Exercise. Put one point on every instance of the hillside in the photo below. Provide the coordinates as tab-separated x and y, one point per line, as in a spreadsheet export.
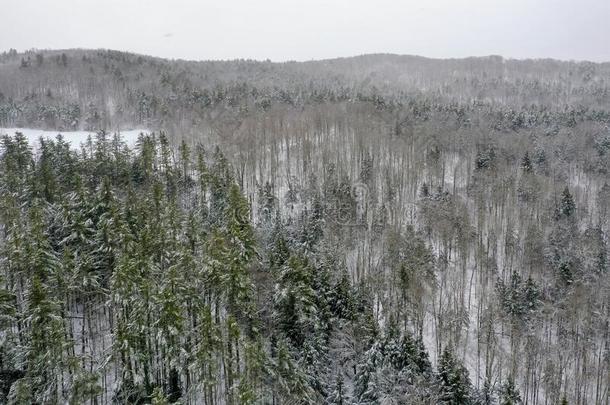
82	89
368	230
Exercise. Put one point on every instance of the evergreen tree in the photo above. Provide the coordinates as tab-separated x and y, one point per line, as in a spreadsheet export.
422	359
295	300
509	394
425	190
485	158
266	204
43	356
454	381
279	251
526	163
540	159
241	248
342	297
290	381
220	178
338	395
567	206
366	388
184	152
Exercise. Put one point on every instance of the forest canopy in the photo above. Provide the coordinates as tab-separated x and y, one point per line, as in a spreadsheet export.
368	230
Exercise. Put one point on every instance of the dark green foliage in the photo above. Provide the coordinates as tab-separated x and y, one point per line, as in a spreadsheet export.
519	299
178	273
454	380
295	300
267	204
338	395
342	298
509	394
567	207
366	388
485	159
539	159
86	241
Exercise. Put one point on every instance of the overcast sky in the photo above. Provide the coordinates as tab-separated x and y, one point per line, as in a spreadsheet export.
313	29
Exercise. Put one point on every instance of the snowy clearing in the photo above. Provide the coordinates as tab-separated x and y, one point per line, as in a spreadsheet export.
75	138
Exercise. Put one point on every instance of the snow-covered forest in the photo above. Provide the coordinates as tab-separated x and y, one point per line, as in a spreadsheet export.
372	230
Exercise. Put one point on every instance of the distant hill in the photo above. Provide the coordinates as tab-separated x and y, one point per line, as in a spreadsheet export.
92	89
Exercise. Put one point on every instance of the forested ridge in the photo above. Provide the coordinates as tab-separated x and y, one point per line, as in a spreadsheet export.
86	89
369	230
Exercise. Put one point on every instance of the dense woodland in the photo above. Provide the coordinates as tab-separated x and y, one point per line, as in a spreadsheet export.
372	230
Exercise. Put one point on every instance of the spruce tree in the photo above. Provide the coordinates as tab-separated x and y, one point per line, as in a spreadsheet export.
366	388
526	163
454	381
241	248
342	297
338	395
295	301
509	394
44	350
567	207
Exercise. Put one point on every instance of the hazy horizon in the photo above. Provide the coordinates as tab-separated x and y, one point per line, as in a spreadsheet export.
315	30
23	51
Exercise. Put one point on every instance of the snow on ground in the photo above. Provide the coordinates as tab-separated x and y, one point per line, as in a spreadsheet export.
76	138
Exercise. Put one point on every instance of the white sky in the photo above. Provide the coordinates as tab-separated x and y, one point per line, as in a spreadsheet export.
313	29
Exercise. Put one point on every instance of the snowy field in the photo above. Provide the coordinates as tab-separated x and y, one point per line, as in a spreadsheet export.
76	138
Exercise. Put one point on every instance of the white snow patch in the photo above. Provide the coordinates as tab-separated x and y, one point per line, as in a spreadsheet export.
75	138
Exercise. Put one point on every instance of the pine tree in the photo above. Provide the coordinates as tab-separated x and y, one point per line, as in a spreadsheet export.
46	179
220	178
21	392
567	207
338	395
422	360
291	384
85	386
391	345
267	204
311	230
531	296
279	251
526	163
424	191
256	368
144	164
170	322
159	398
184	152
342	297
486	396
241	248
209	341
509	394
540	159
295	301
44	351
485	158
453	377
366	389
107	238
16	164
